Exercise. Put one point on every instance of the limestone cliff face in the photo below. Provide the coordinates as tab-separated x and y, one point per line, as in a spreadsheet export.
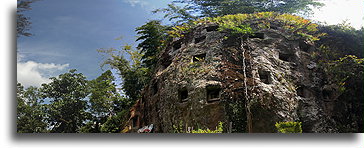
248	83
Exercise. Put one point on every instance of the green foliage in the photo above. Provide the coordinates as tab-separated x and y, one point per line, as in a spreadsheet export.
104	98
343	73
236	110
348	69
243	23
179	129
134	76
214	8
114	124
246	24
219	129
180	14
153	36
237	31
75	105
342	39
346	73
67	109
340	56
90	127
289	127
179	31
30	111
23	22
108	108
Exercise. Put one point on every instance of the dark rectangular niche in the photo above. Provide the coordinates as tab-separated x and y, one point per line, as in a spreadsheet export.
212	28
199	58
304	46
177	45
166	63
304	92
285	57
265	76
257	35
135	122
213	93
155	88
199	39
183	95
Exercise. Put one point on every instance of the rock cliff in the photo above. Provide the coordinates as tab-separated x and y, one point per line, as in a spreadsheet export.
249	83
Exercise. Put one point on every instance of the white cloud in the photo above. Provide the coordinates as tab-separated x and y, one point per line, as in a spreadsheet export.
148	5
337	11
133	3
31	73
52	66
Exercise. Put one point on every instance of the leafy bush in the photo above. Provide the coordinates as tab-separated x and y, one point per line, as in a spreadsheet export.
219	129
179	129
343	39
114	123
347	70
289	127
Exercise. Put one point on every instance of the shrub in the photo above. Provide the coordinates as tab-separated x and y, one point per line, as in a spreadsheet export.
289	127
219	129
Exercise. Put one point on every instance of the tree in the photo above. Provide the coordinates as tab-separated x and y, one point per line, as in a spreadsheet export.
343	39
23	22
193	9
103	95
135	65
181	14
106	103
153	36
67	108
115	124
134	76
346	74
213	8
30	111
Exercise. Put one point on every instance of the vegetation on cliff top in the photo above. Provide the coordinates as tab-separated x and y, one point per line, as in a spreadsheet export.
291	25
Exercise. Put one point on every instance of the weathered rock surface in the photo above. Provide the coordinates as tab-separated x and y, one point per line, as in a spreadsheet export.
249	83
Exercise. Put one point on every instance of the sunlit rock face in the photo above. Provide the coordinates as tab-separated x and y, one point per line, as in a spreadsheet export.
248	83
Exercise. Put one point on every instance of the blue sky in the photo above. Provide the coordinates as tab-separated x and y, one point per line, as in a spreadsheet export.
67	33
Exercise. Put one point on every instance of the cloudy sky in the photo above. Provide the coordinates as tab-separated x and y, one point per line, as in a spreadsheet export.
67	33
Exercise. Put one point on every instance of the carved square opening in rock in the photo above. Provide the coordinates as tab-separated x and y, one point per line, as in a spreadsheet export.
265	76
199	57
327	94
177	45
199	39
155	88
231	41
285	56
304	92
166	63
304	46
183	95
135	122
213	93
212	28
257	35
